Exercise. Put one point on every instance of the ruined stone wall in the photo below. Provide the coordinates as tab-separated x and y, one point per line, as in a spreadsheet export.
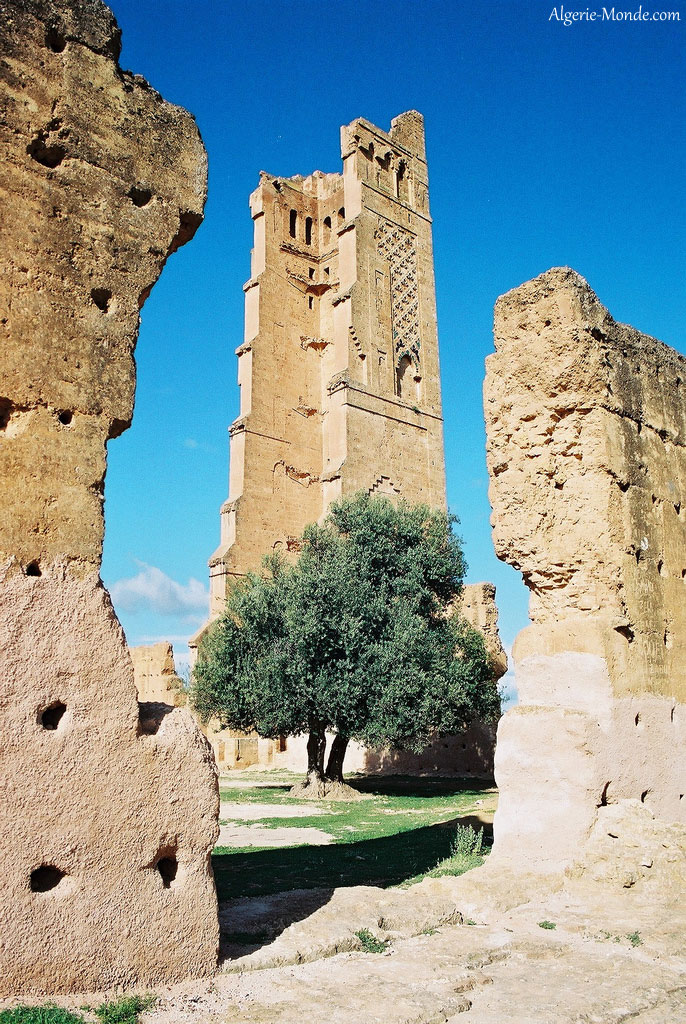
586	424
106	821
154	675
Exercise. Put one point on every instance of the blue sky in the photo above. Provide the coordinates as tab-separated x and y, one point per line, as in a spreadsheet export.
547	145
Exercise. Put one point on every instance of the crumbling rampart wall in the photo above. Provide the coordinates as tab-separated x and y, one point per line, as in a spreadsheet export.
154	674
586	425
107	821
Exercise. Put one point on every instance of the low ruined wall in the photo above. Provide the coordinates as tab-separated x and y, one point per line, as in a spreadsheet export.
586	426
107	820
154	675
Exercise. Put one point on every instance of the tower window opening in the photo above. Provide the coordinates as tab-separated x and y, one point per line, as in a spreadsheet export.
311	273
310	302
308	231
402	185
327	230
341	215
401	384
293	226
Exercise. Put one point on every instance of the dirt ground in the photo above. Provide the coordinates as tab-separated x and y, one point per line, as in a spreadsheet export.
602	943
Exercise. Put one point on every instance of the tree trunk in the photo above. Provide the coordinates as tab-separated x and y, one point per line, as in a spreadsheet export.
316	747
334	769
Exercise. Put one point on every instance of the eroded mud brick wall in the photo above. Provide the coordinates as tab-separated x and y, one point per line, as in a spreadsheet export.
586	424
106	825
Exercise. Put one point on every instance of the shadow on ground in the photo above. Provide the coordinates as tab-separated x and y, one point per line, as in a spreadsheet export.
413	785
381	862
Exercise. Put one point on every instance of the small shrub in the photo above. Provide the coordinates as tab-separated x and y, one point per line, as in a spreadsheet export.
467	842
548	925
370	943
635	938
469	921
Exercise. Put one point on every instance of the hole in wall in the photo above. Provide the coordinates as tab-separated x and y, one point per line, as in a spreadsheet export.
671	713
45	878
51	716
293	223
65	417
644	794
5	412
139	196
151	714
33	569
311	273
310	302
660	566
54	40
623	485
603	795
308	231
625	631
47	154
101	297
637	719
167	867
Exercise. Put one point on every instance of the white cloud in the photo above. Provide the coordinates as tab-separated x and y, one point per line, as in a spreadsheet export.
152	590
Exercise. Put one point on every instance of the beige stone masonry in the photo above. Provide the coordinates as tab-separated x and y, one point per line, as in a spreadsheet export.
154	674
586	425
338	370
107	820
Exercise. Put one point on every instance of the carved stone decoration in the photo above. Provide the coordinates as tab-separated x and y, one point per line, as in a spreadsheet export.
398	247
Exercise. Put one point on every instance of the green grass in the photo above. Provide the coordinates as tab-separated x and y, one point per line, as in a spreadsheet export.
39	1015
635	938
122	1011
466	852
404	831
548	925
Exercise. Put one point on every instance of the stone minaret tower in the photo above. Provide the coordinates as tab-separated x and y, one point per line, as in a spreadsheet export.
339	374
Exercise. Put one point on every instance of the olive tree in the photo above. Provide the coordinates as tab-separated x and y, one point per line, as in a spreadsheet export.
355	638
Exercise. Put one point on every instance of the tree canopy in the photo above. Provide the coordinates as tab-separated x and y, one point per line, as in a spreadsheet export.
355	638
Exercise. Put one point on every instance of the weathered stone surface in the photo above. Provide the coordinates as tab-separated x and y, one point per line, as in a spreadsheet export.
154	674
106	821
477	605
586	421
